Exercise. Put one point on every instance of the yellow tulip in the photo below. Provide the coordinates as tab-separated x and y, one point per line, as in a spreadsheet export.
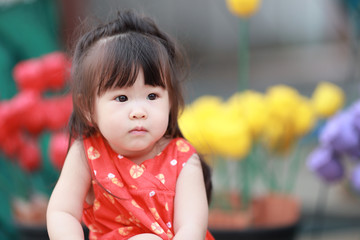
278	136
281	101
228	128
304	118
272	133
215	130
243	8
229	137
193	122
207	106
250	106
327	99
191	127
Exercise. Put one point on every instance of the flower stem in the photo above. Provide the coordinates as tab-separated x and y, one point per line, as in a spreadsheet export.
293	168
246	182
243	54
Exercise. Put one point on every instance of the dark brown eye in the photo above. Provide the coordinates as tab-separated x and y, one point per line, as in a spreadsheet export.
121	98
152	96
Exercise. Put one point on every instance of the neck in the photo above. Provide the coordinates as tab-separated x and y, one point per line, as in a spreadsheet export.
140	157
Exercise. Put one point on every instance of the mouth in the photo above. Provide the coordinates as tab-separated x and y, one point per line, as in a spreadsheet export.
138	130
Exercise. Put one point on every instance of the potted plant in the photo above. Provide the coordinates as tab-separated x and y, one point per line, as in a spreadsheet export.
33	143
254	143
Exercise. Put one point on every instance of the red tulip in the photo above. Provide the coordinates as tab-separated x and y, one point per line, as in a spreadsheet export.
46	73
22	103
34	118
58	149
6	126
29	75
30	156
13	113
58	111
12	145
56	70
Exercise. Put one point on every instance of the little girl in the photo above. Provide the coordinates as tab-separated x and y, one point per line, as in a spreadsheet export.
129	173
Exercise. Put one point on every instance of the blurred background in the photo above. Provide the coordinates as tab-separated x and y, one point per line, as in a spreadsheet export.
293	42
297	43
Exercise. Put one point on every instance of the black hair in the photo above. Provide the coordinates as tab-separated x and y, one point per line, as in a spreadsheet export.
110	55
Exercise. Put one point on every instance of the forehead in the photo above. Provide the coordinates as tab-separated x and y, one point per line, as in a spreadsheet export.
116	61
139	89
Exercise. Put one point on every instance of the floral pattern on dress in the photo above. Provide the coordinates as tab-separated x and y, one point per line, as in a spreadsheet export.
132	199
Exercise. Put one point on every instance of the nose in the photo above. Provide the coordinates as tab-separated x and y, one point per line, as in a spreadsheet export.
138	113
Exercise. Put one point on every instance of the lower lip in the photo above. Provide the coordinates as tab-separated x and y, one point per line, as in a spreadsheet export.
138	132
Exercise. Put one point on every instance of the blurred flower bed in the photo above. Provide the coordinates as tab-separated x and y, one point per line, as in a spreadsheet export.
253	140
337	155
33	143
255	144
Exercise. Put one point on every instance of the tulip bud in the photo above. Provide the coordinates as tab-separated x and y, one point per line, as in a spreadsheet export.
33	120
57	112
30	156
56	70
29	75
46	73
327	99
243	8
12	144
58	149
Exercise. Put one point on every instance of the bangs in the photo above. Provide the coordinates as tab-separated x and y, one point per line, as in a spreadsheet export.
117	63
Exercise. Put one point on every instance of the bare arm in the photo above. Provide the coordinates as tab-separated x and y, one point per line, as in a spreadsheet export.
66	203
191	207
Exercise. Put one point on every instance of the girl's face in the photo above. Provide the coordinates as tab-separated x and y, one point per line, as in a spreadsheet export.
132	119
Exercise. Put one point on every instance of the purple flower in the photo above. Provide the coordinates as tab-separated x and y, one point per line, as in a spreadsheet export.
355	111
354	153
355	178
340	134
325	163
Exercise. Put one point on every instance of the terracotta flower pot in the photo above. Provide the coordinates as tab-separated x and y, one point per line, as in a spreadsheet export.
274	216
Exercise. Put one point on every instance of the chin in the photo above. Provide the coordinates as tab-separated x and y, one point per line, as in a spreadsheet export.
139	147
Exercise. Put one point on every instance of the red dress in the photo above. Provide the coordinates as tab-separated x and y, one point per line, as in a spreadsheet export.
131	199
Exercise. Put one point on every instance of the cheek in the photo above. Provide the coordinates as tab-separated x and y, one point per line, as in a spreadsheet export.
163	114
100	116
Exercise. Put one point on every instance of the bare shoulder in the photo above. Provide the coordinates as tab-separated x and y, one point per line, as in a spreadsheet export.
77	151
76	162
194	161
192	170
77	148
